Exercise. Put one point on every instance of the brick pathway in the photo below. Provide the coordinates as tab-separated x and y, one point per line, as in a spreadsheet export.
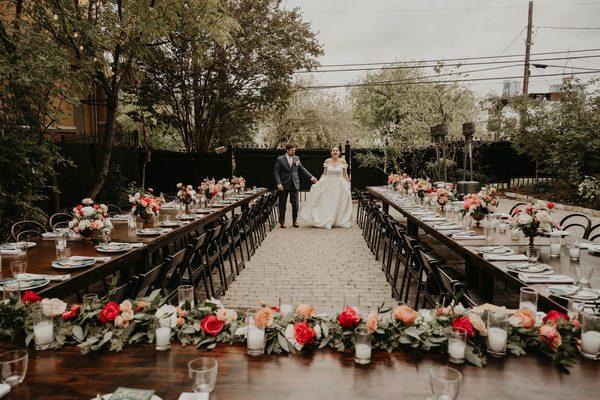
316	266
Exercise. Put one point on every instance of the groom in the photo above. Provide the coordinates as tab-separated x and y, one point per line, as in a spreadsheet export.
288	182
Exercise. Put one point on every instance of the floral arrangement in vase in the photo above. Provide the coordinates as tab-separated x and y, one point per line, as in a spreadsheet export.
186	194
478	205
422	186
535	220
442	196
89	218
393	181
209	188
239	183
145	205
406	183
225	185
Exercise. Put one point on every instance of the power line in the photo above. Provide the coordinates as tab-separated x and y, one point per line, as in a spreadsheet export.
570	27
391	83
445	65
409	10
456	59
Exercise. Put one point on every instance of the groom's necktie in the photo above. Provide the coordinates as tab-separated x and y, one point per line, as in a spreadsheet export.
290	161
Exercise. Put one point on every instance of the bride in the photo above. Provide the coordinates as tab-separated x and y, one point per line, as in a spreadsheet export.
329	202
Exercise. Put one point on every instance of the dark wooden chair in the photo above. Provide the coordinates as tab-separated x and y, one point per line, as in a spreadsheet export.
518	206
59	220
151	280
576	223
593	234
125	291
29	229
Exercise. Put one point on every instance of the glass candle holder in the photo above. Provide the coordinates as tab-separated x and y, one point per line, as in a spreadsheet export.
574	250
444	382
185	294
43	330
286	304
590	336
362	346
497	327
203	374
11	292
255	339
13	367
163	337
89	300
528	298
555	244
457	345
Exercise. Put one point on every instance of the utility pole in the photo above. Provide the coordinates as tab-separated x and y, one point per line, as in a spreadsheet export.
526	72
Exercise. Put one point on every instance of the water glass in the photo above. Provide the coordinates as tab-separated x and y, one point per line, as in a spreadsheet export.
166	218
61	240
515	234
444	382
555	244
90	300
497	327
590	336
43	330
574	250
457	345
528	298
466	221
131	222
21	248
63	254
203	374
584	273
255	339
575	309
11	292
362	346
286	304
13	366
533	254
185	294
106	236
502	227
18	267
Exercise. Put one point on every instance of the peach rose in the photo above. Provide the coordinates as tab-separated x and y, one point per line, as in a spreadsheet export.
182	313
180	321
523	318
264	318
441	311
126	306
371	322
478	323
305	310
550	335
121	322
226	315
405	314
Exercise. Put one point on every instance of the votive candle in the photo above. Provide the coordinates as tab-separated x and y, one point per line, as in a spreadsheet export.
43	333
497	338
163	338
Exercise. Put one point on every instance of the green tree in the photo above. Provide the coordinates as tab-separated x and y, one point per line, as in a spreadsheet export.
213	94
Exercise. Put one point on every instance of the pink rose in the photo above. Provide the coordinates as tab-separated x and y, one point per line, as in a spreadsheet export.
405	314
371	322
264	318
523	318
305	310
550	336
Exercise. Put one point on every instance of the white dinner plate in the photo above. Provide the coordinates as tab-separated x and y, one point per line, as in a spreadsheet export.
12	245
107	397
529	268
73	264
149	232
169	224
496	250
186	217
28	285
113	248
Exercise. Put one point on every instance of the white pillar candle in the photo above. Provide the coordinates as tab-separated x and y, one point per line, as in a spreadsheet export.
456	349
590	342
363	351
256	338
43	332
574	253
529	305
163	336
286	309
497	338
554	249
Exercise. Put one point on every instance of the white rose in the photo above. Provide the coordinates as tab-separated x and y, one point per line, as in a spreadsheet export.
179	185
72	223
88	211
459	309
87	201
543	216
53	307
524	219
137	195
83	224
291	337
425	315
167	315
241	331
317	330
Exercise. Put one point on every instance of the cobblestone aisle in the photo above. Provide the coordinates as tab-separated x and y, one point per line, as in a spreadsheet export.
316	266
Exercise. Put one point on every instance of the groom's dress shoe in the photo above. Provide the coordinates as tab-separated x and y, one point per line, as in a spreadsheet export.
282	225
296	225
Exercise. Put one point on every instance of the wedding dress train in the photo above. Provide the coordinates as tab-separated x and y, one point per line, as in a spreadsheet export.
329	202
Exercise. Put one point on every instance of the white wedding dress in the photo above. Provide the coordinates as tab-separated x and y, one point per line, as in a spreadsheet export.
329	202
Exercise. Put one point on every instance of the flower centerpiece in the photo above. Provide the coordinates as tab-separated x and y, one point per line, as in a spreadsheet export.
442	195
209	188
406	183
186	194
535	220
145	205
238	183
478	205
393	181
89	218
226	187
421	187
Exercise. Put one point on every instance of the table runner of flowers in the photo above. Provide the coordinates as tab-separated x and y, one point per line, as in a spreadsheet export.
113	326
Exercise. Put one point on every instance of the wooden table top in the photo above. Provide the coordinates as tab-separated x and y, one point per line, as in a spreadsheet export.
40	257
497	269
66	374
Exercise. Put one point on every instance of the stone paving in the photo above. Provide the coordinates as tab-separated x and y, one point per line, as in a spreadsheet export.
315	266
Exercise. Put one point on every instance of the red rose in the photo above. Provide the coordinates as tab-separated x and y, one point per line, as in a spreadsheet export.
212	325
72	313
349	318
555	316
30	297
109	312
463	322
550	205
304	333
275	308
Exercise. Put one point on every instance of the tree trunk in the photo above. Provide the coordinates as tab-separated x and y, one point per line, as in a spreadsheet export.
112	104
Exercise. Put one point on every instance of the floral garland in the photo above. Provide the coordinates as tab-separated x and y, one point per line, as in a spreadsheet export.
89	217
113	326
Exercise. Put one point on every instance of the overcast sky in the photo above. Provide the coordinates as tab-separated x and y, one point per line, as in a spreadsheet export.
361	31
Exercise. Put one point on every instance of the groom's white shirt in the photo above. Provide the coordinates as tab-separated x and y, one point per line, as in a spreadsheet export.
290	160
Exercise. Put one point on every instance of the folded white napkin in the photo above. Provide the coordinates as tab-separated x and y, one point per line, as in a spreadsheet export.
505	257
4	389
467	237
49	235
129	244
9	252
33	277
537	278
447	227
193	396
433	219
98	259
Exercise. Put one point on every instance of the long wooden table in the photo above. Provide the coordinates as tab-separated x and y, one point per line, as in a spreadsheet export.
481	272
40	257
66	374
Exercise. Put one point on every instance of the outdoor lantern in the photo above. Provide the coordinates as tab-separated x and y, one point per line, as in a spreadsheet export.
438	136
470	186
